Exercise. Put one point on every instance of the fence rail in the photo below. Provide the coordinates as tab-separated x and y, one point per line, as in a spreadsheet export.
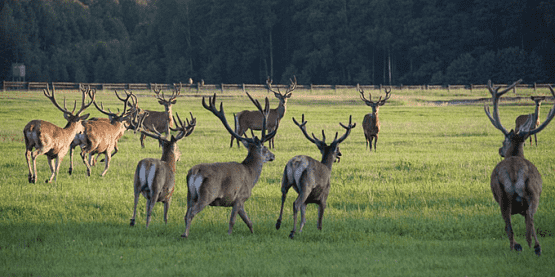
6	85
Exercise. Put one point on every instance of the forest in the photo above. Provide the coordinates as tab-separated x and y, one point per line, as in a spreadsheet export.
243	41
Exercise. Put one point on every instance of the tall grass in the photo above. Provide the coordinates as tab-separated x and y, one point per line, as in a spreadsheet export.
420	205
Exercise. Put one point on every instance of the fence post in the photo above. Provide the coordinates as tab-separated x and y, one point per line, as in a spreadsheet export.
534	87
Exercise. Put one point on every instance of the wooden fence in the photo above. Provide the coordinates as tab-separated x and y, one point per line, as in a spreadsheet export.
223	87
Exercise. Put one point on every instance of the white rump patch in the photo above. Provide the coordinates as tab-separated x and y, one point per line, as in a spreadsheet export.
194	185
295	168
146	175
151	175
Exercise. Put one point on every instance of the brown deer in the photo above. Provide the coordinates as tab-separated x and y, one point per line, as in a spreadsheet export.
161	120
515	182
311	178
50	139
228	184
521	119
371	123
101	136
246	119
155	179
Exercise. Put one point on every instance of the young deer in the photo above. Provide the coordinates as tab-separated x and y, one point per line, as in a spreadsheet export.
245	120
515	182
50	139
311	178
228	184
521	119
160	120
371	123
155	179
101	136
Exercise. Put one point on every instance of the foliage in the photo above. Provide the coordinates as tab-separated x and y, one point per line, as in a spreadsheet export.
321	42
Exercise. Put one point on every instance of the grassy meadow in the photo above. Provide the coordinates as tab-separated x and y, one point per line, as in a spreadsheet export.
421	205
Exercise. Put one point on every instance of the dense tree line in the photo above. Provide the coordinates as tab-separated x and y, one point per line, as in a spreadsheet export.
243	41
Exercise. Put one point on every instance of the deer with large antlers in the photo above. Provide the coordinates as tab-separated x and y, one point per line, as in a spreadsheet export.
228	184
521	119
515	182
246	119
371	123
161	121
311	178
155	179
50	139
101	135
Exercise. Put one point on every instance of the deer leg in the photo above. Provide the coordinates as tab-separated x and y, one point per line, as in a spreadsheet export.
137	193
375	142
366	140
28	157
52	169
531	231
505	204
142	140
166	209
285	186
234	211
71	148
245	218
321	209
192	210
298	205
149	206
107	159
535	139
87	163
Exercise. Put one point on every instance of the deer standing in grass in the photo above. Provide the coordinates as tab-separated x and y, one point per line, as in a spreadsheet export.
246	119
101	136
161	121
515	182
371	123
155	179
50	139
521	119
228	184
311	178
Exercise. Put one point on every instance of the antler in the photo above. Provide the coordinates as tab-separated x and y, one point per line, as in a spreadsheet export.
550	116
495	98
221	115
322	142
347	132
369	101
50	95
289	90
184	131
174	95
109	112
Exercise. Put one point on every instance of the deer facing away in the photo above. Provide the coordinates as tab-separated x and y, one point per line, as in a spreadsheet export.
161	121
521	119
228	184
246	119
311	178
371	123
50	139
155	178
516	182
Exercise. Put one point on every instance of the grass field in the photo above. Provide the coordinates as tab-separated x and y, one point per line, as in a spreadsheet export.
421	205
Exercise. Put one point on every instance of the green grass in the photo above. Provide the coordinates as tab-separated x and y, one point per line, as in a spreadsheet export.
421	205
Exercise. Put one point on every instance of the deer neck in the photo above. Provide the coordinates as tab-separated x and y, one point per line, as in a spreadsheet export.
254	162
169	113
169	154
328	157
281	109
513	147
73	127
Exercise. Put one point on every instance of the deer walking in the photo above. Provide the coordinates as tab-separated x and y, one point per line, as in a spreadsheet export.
161	121
228	184
521	119
50	139
371	123
246	119
516	182
311	178
101	136
155	178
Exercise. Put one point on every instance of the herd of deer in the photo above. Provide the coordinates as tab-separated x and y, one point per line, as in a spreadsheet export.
515	182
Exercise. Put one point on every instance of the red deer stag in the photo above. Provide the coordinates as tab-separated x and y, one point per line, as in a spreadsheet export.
50	139
311	178
228	184
515	182
521	119
371	123
160	120
155	179
253	119
101	136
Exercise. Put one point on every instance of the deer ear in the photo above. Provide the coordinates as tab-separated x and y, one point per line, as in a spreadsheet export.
84	117
173	102
245	143
161	102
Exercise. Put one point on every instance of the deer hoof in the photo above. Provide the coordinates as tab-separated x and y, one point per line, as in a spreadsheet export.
518	247
538	250
183	235
278	224
132	223
292	235
70	171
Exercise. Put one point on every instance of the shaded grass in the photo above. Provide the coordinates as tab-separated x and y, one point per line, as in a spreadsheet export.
420	205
